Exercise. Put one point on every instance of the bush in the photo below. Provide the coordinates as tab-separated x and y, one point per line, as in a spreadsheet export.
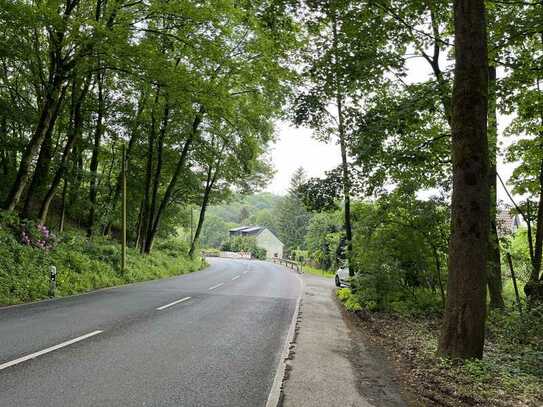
82	264
346	296
244	244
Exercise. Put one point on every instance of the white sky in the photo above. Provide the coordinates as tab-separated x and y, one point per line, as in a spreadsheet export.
295	147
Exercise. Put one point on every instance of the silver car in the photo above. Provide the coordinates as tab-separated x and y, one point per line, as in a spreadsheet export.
342	277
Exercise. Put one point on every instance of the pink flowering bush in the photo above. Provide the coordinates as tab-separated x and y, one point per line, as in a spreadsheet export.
37	235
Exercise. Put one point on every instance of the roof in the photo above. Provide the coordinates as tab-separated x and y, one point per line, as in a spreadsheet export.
247	230
252	230
239	228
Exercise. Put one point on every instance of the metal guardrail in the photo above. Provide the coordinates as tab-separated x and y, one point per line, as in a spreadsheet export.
294	265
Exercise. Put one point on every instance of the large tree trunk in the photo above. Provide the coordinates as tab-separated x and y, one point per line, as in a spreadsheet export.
494	268
93	189
177	172
346	183
463	330
158	174
210	182
46	121
41	172
145	214
74	131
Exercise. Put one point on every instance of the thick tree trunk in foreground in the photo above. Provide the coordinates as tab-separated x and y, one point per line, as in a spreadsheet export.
463	330
494	268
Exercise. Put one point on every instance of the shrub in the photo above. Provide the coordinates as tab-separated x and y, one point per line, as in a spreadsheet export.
82	264
349	300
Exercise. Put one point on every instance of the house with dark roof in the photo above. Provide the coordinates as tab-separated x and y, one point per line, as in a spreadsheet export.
507	223
265	239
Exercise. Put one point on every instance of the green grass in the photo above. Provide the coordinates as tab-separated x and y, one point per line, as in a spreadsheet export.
82	265
318	272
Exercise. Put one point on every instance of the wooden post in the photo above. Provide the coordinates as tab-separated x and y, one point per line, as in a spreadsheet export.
123	178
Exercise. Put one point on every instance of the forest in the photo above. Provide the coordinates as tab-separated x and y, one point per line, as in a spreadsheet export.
185	96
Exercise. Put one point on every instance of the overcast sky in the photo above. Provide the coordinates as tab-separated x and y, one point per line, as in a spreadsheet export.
295	147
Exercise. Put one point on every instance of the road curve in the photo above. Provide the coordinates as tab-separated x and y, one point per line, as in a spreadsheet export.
211	338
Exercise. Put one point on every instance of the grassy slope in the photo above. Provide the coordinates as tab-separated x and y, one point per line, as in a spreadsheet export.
82	266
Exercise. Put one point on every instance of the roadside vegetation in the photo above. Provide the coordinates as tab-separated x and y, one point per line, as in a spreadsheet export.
82	264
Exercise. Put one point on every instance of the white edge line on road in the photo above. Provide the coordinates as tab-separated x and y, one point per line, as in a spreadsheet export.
235	278
277	386
171	304
216	286
51	349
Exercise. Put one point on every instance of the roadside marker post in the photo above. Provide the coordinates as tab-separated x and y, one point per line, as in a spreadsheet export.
52	281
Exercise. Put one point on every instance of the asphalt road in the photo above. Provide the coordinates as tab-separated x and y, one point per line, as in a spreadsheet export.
128	346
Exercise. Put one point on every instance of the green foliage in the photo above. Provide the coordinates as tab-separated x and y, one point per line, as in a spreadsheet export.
82	265
245	244
349	300
400	251
292	219
323	239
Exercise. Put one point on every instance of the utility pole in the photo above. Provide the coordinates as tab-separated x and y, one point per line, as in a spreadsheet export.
123	178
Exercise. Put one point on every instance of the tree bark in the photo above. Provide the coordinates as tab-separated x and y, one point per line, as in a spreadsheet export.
158	173
534	287
463	329
177	172
74	132
494	272
145	214
205	200
346	182
45	122
99	130
41	172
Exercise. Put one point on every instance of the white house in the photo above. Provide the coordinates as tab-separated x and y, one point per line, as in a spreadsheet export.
265	239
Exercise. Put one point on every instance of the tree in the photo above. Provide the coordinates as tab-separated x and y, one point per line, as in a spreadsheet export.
291	216
463	329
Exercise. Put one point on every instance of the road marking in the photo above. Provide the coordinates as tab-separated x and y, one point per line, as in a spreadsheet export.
171	304
235	278
216	286
246	271
51	349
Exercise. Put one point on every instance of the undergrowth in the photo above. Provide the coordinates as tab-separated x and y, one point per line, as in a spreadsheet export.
82	264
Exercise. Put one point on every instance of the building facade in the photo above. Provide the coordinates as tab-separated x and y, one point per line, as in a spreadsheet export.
264	238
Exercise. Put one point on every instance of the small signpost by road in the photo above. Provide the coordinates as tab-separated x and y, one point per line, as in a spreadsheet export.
52	281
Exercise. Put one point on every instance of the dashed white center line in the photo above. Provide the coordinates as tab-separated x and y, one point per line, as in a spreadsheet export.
235	278
171	304
216	286
51	349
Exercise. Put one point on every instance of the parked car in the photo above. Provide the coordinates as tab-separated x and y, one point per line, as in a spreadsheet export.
342	277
